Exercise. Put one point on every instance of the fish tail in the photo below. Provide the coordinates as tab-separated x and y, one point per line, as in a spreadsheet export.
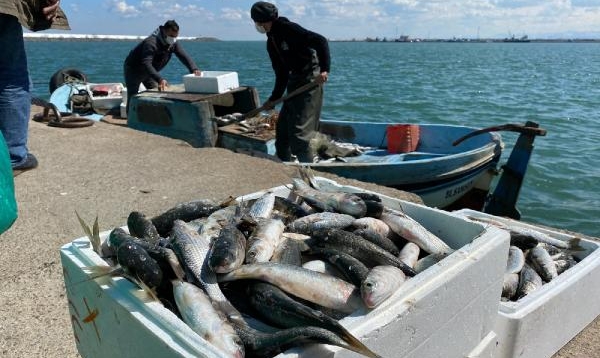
354	344
574	245
307	175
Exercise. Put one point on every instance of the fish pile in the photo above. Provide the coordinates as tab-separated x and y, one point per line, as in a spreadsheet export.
534	259
257	277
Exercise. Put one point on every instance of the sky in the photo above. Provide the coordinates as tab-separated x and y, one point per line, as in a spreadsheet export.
344	19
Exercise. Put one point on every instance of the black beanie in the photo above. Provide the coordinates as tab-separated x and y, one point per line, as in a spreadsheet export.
263	11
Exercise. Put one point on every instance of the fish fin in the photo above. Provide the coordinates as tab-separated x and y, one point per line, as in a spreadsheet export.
96	242
228	202
150	292
94	235
99	271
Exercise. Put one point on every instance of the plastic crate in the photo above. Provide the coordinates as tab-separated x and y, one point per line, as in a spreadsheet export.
211	82
538	325
446	311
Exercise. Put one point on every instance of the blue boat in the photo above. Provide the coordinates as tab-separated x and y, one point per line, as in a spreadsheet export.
444	173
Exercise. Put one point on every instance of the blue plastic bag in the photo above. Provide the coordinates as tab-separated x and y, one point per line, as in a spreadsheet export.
8	203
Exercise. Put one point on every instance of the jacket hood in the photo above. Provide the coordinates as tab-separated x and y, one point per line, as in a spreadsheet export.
159	34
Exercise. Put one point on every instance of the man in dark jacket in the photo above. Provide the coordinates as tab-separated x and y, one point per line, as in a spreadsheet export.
144	62
298	56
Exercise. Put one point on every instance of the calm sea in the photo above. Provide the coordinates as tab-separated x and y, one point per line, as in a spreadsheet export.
481	84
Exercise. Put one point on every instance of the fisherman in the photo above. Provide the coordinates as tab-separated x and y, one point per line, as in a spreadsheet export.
298	56
144	62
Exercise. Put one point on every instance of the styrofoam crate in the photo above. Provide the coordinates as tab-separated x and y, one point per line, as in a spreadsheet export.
112	99
486	348
541	323
445	311
211	82
106	102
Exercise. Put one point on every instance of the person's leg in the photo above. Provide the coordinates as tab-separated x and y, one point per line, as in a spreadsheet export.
132	83
282	135
306	110
15	98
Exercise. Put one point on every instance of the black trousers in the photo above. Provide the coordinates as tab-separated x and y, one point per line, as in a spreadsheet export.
133	78
299	120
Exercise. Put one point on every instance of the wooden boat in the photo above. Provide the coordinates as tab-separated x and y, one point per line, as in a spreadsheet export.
451	167
437	171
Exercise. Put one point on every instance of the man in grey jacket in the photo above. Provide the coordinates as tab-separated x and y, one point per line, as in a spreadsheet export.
15	96
144	62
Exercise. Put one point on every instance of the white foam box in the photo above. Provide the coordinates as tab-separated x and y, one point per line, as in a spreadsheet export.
211	82
448	310
541	323
113	99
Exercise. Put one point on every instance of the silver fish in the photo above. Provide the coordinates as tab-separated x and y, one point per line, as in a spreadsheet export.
263	206
198	312
325	220
410	254
378	240
215	221
352	269
412	231
315	287
322	266
426	262
288	252
510	285
278	308
376	225
192	249
264	240
381	283
340	202
228	250
529	281
516	260
542	262
564	264
363	250
524	234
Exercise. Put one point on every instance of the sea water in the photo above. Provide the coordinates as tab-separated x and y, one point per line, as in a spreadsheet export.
478	84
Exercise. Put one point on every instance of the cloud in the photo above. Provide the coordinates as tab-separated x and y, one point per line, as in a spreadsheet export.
234	14
123	9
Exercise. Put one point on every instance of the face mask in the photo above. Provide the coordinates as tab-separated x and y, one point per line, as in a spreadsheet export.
260	28
170	40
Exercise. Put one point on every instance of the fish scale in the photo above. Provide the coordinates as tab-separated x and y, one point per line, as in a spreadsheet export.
192	249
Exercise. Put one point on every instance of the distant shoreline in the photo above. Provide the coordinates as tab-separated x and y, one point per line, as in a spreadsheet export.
403	39
87	37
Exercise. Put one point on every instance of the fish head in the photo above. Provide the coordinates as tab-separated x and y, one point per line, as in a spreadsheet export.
371	293
223	263
352	205
380	284
258	253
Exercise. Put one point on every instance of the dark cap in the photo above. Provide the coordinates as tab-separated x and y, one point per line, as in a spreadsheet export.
263	11
171	24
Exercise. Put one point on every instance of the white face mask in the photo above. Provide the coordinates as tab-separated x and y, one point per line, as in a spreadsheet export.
260	29
170	40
